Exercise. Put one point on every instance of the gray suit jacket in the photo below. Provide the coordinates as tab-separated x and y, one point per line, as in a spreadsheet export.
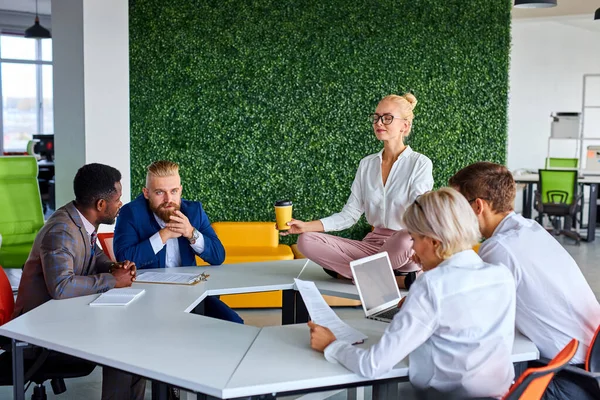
61	265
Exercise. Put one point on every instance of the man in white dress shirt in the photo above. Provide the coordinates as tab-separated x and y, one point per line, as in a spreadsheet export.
554	301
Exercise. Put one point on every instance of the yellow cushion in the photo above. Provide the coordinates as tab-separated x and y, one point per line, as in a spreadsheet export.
253	300
237	255
476	247
252	254
247	234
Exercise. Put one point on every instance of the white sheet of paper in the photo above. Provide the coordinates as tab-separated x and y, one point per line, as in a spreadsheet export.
322	314
167	277
117	297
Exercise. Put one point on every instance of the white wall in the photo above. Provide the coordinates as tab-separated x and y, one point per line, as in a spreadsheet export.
548	60
91	89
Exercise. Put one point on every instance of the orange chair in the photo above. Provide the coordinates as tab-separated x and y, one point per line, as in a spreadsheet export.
534	381
592	358
106	242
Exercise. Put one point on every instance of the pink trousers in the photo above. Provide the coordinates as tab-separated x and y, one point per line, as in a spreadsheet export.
335	253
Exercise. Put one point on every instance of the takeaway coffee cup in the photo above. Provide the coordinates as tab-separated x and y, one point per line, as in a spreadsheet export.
283	214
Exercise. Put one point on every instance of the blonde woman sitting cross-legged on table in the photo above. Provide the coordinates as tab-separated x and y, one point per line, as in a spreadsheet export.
385	184
457	322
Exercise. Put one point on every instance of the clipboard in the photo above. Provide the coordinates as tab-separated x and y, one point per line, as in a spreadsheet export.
171	278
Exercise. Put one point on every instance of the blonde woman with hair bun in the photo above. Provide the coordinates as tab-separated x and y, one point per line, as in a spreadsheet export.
385	184
457	323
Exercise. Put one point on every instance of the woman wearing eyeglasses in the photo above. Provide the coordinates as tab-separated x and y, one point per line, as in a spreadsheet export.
457	322
385	184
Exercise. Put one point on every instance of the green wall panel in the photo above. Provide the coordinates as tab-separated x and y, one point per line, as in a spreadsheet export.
264	100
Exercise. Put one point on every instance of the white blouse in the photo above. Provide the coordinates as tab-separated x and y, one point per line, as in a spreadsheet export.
383	205
457	327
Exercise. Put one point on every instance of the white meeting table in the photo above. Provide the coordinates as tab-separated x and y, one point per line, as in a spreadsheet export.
157	337
264	370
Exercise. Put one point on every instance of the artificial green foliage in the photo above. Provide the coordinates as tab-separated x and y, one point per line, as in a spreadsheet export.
260	100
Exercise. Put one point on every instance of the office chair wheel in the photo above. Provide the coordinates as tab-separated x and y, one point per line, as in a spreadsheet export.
39	393
58	386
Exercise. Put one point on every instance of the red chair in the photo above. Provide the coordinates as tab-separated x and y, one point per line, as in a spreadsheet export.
106	242
7	300
534	381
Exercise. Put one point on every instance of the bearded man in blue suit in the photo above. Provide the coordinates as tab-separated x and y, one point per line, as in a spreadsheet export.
161	230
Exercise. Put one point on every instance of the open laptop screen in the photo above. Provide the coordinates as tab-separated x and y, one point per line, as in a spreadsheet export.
375	282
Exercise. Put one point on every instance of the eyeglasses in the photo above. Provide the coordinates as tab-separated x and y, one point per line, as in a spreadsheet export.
386	119
475	198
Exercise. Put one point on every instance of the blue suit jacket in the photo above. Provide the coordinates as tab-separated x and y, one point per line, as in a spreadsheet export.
136	224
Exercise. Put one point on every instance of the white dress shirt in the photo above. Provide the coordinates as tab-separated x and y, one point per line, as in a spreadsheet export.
173	257
554	301
89	228
384	205
457	327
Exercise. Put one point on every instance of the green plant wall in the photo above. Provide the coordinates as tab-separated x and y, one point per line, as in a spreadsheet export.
260	100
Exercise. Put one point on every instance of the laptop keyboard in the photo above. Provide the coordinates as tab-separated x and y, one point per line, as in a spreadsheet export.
388	314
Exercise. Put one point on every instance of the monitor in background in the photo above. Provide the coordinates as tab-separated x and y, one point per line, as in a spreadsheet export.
45	146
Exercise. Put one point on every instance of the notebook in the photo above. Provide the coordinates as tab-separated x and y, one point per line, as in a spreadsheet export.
117	297
377	287
180	278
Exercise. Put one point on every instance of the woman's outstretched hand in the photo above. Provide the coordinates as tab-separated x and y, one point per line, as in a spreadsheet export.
296	227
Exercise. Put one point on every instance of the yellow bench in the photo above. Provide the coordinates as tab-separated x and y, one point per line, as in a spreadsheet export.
251	242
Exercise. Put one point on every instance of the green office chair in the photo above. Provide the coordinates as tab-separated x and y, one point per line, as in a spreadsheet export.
21	215
557	197
552	162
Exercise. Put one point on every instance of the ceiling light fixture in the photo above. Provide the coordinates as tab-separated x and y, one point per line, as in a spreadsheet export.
535	3
37	31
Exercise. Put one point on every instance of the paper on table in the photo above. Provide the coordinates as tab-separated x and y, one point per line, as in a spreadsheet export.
117	297
181	278
322	314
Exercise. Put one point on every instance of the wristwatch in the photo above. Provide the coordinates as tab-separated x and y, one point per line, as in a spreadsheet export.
195	236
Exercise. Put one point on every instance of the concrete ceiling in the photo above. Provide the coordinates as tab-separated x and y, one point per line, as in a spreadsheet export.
27	6
564	7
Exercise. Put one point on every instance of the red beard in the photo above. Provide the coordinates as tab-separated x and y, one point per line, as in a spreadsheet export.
164	213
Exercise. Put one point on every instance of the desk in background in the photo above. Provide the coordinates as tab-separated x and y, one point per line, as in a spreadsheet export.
46	182
592	181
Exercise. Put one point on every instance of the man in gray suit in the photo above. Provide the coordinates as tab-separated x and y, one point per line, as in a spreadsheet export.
66	262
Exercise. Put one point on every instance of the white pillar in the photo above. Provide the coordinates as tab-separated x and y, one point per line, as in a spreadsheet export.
90	40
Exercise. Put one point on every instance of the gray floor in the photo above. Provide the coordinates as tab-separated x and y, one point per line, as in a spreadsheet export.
586	255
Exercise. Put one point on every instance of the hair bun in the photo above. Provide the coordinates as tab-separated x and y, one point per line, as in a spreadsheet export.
411	99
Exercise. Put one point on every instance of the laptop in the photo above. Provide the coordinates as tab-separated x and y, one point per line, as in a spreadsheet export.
376	285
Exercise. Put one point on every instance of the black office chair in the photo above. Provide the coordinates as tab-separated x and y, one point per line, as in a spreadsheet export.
557	196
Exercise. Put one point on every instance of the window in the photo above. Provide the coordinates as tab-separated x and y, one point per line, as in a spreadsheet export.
26	87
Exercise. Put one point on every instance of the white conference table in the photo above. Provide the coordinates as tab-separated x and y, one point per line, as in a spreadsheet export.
592	181
264	370
157	337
